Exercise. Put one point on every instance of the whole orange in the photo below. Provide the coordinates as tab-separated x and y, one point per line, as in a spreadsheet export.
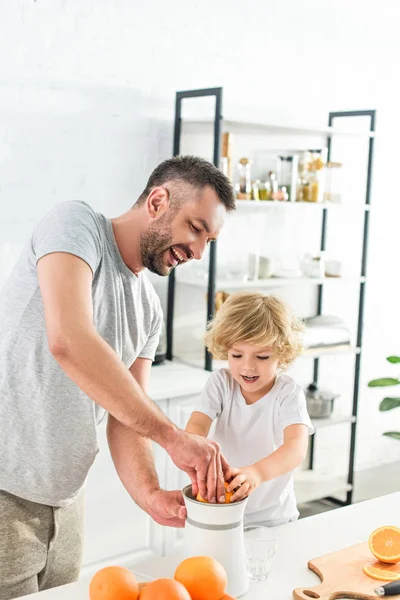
163	589
228	495
113	582
203	577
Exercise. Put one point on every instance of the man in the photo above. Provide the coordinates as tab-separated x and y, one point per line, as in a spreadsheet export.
79	328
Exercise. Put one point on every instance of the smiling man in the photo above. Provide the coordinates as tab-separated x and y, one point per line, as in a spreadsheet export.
79	327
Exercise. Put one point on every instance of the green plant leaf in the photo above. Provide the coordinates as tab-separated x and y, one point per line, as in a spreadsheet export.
393	359
389	404
383	382
393	434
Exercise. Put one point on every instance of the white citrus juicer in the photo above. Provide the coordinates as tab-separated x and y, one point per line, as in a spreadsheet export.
216	530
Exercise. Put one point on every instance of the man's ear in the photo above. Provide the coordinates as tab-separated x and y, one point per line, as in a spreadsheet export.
157	202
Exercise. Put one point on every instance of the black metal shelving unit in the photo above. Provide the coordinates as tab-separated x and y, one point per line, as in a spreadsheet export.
217	131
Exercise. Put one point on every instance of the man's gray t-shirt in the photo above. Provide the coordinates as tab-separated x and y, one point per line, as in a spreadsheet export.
48	437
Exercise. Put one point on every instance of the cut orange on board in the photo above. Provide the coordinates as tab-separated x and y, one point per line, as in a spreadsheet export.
228	495
382	571
384	544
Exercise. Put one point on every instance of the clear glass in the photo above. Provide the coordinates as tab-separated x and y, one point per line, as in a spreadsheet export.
260	545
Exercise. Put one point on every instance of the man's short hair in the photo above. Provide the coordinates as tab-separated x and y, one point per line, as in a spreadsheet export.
194	171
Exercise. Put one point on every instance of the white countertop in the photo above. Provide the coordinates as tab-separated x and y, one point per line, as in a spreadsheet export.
175	380
298	543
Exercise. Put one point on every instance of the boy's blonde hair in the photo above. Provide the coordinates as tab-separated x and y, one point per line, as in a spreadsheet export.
258	320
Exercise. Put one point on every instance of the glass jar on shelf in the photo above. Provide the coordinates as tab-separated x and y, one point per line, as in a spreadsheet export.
287	174
262	190
255	190
302	183
244	187
333	182
313	187
273	186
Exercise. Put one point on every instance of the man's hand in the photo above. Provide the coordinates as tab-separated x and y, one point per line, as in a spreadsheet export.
246	480
166	508
203	461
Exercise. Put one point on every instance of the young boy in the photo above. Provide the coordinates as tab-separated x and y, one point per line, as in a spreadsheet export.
262	421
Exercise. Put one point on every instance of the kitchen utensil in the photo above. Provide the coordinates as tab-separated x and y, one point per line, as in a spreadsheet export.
260	544
333	268
217	530
390	589
265	267
341	576
319	403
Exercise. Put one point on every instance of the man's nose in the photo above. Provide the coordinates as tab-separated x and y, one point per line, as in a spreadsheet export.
198	249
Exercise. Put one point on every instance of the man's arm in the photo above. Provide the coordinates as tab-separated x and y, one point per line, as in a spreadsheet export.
134	462
66	287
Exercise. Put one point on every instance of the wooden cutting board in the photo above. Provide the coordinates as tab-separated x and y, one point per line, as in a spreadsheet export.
342	576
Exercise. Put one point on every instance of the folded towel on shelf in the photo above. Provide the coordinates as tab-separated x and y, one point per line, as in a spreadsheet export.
325	330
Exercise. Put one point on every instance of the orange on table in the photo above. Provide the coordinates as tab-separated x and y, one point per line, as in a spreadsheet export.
113	582
227	597
142	585
382	571
162	589
228	495
384	544
203	577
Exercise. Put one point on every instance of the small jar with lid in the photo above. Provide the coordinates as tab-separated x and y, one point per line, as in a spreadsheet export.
244	186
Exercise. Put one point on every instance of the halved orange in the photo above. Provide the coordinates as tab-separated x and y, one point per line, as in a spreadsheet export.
384	544
382	571
228	495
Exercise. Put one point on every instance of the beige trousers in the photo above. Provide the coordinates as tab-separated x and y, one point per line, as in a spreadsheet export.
40	546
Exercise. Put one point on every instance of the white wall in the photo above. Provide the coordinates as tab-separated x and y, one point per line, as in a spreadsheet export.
86	105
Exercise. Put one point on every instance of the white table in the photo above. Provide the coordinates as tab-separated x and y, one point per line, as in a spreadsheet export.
298	543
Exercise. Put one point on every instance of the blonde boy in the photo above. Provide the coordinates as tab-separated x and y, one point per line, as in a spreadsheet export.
262	423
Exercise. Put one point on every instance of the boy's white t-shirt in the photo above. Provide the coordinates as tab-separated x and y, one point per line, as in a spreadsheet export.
248	433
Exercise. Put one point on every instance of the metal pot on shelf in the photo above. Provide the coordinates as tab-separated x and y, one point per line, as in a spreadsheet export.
319	403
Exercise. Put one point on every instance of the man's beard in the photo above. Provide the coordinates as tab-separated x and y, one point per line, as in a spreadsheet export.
153	245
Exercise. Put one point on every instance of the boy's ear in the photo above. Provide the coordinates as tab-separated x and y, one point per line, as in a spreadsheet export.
158	202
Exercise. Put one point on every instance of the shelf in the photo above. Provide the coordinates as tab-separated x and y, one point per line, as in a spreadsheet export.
262	127
328	350
174	379
258	205
196	359
310	485
334	420
272	282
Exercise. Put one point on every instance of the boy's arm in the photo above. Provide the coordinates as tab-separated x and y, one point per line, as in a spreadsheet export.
199	423
286	458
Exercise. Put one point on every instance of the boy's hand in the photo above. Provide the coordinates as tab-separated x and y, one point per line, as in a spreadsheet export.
246	480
